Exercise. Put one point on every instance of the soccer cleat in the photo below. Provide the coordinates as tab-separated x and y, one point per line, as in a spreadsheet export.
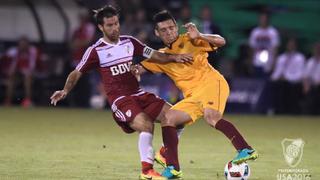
244	155
170	173
160	159
151	175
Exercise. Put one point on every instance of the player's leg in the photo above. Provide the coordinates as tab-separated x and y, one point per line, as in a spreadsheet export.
144	125
162	118
12	73
9	89
130	117
214	106
169	123
27	81
214	119
173	119
160	155
156	108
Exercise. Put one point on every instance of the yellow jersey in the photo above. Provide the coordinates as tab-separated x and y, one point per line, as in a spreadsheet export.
187	77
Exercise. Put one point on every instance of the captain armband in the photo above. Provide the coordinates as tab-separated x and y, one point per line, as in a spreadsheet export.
147	52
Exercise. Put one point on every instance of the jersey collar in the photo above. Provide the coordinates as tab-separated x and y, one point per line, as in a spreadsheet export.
170	45
110	43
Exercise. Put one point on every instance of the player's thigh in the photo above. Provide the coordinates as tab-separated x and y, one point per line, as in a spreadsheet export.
212	116
165	108
176	118
142	123
186	111
125	110
214	95
152	105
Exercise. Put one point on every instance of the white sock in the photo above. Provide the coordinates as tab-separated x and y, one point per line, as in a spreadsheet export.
179	132
145	147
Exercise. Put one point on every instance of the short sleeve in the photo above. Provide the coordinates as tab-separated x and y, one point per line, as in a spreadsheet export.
33	57
151	66
89	60
308	68
253	37
141	49
274	37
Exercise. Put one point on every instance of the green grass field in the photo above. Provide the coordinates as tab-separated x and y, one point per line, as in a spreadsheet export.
54	143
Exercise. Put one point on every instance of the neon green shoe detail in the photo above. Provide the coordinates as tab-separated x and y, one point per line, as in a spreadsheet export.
245	155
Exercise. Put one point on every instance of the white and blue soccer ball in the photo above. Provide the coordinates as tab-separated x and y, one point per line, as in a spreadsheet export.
237	171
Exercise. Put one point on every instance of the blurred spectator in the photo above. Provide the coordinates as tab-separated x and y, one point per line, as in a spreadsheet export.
264	41
287	77
242	63
311	84
22	60
208	26
143	27
138	26
127	26
81	39
185	17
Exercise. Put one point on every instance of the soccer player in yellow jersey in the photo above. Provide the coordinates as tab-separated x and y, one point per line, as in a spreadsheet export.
205	90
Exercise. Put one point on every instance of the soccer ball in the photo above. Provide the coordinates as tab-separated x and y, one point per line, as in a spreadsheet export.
236	171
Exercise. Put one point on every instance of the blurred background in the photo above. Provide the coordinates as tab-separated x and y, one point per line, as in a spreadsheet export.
271	60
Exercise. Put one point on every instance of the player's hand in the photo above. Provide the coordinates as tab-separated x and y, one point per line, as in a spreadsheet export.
192	29
136	71
181	58
57	96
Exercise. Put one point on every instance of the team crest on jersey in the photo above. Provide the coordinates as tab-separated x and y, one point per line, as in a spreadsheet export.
181	45
128	49
109	55
128	113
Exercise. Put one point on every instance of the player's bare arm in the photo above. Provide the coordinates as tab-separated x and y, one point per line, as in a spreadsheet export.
164	57
71	81
213	39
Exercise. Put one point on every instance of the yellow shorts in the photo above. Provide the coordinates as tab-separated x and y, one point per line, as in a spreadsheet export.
213	94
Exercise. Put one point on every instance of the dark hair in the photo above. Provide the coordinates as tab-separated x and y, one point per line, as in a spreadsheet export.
162	16
106	11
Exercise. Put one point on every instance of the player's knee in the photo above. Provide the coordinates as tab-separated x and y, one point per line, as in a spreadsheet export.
147	126
161	117
169	119
142	123
212	117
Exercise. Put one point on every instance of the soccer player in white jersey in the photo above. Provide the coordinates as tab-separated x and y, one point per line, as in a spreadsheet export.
133	109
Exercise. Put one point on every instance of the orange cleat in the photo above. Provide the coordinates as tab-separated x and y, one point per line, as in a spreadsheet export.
151	175
160	159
